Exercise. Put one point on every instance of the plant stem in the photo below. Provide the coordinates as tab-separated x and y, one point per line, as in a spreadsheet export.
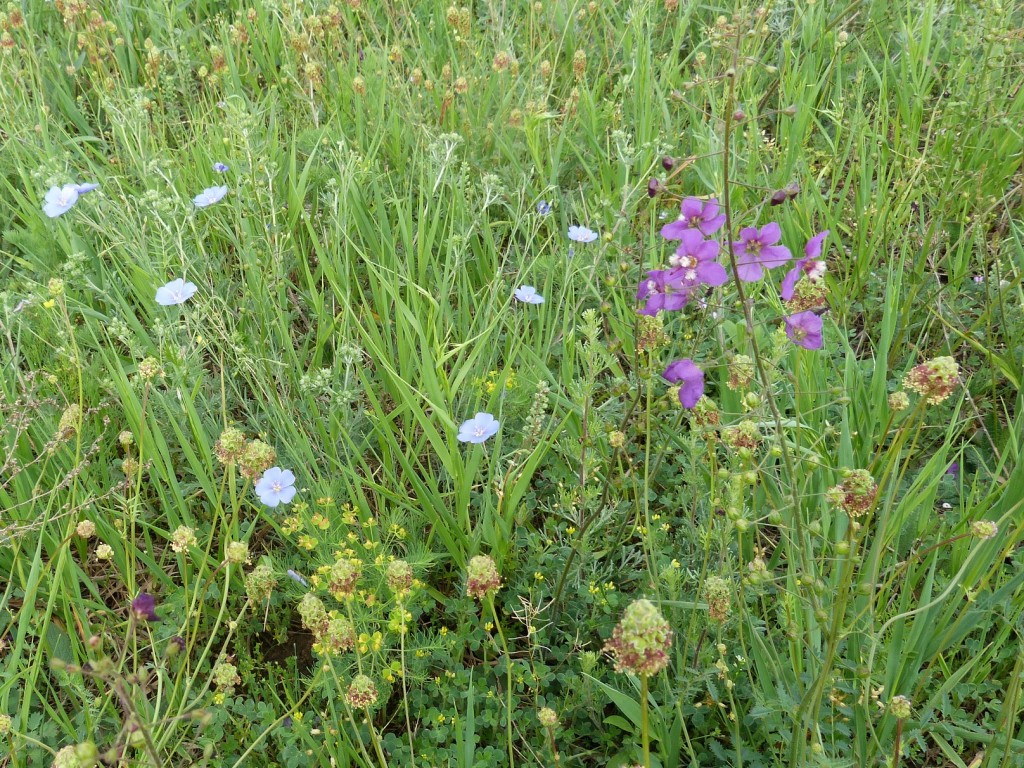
644	735
405	689
508	681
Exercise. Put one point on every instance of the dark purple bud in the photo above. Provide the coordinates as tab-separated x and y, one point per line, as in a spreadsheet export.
653	187
739	115
779	196
668	163
792	190
144	607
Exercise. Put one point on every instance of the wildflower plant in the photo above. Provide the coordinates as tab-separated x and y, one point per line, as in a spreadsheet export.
256	528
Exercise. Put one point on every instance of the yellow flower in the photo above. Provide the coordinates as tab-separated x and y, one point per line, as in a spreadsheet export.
49	304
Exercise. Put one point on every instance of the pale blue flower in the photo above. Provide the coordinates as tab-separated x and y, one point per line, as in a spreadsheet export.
543	207
83	188
582	234
277	486
209	196
220	168
478	429
175	292
60	200
295	576
528	295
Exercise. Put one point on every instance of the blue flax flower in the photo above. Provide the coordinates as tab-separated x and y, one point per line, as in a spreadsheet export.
478	429
277	486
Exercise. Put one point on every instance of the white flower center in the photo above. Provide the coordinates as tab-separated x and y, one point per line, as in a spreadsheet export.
276	488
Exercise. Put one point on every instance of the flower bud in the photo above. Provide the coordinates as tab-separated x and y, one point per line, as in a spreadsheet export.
641	640
547	717
984	529
900	707
482	577
362	692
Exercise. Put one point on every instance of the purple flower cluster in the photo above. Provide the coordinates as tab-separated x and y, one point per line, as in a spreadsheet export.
695	263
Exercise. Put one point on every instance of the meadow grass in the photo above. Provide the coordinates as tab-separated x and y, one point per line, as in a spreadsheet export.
807	568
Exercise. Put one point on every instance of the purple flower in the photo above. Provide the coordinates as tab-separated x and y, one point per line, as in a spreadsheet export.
695	214
478	429
60	200
144	607
953	469
209	196
543	208
277	486
804	329
528	295
175	292
652	187
664	290
809	264
694	259
690	379
220	168
756	251
582	234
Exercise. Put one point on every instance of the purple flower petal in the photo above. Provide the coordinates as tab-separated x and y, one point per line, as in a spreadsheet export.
790	280
690	378
813	248
690	208
674	230
748	270
770	233
712	273
804	329
775	256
